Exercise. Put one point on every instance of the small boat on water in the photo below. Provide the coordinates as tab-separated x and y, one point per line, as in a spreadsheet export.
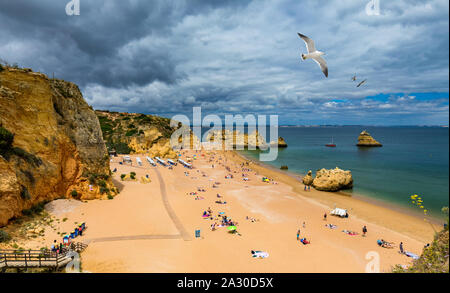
331	145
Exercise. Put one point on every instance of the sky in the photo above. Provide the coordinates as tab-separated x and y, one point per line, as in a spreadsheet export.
242	57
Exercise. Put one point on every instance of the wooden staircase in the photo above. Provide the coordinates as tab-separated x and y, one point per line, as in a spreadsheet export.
38	258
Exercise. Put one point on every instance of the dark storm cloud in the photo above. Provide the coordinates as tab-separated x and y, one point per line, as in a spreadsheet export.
239	56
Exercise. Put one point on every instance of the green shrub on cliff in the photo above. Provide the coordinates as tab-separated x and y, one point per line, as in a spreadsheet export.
35	209
104	190
6	140
102	183
131	132
119	147
24	194
30	158
4	236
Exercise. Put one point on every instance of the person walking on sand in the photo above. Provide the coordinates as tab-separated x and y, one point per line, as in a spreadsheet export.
304	224
401	248
305	187
298	234
325	216
364	230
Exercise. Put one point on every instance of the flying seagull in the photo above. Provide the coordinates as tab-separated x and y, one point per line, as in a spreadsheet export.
314	54
359	84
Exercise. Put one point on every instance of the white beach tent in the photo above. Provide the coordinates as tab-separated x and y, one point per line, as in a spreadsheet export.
339	212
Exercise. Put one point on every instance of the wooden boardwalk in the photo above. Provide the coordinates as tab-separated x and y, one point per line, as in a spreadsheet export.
38	258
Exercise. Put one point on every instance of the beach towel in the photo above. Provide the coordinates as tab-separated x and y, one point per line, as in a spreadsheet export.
349	232
259	254
410	254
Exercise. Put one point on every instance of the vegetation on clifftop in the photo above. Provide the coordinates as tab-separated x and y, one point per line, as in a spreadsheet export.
434	258
120	128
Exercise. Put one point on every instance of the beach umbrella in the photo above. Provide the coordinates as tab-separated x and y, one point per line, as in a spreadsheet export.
231	228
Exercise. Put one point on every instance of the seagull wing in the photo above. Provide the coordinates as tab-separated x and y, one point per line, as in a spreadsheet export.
323	64
309	43
359	84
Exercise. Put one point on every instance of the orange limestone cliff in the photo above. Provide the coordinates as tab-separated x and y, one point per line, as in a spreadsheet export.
51	143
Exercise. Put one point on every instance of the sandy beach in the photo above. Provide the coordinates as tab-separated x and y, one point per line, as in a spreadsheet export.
151	227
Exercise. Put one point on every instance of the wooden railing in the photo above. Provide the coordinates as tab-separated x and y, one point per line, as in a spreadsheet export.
37	258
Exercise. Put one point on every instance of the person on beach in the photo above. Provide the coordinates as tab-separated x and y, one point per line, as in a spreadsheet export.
298	234
305	187
54	246
304	224
325	216
364	230
80	231
401	248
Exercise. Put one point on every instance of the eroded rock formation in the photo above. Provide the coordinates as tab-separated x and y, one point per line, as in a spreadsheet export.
308	179
51	144
236	139
366	140
332	180
281	143
137	133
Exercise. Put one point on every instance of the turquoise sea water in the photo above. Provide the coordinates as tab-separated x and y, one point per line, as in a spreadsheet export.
413	160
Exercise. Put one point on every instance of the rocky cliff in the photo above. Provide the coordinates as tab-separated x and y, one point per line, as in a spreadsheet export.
281	143
366	140
51	144
332	180
236	139
128	133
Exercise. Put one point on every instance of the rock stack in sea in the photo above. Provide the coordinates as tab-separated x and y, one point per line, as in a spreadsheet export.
281	143
332	179
366	140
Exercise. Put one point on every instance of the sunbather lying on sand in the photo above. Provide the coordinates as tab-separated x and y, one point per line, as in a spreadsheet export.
349	232
331	226
259	254
385	244
304	241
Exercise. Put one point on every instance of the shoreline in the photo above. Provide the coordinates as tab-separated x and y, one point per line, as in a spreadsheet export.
357	196
364	208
